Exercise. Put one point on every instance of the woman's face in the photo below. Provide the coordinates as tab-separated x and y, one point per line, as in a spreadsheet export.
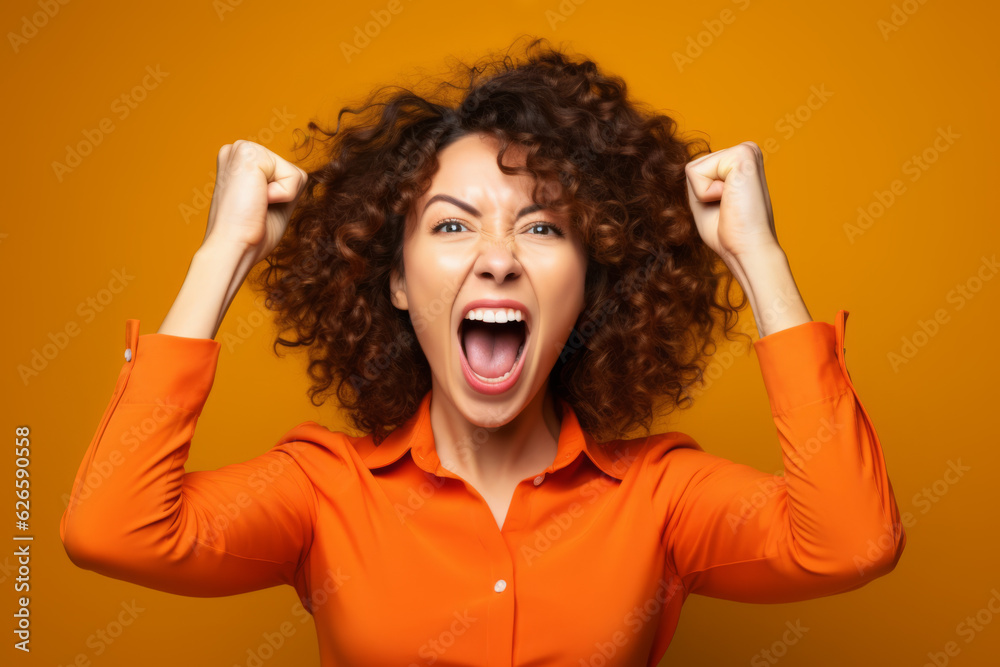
477	235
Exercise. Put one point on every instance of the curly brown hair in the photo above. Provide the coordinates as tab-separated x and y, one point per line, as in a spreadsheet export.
651	288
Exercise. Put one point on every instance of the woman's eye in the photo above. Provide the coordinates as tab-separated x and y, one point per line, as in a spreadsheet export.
449	223
545	225
448	226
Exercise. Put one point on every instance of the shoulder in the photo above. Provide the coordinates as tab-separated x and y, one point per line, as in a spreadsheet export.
677	470
667	448
675	453
317	449
642	456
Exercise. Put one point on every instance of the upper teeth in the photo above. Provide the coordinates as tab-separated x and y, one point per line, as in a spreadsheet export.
500	315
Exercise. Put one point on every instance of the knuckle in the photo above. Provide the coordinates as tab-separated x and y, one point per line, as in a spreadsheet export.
751	148
246	153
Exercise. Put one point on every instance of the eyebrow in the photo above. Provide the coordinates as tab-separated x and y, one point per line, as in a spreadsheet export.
469	208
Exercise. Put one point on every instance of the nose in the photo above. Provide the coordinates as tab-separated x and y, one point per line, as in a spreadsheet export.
496	259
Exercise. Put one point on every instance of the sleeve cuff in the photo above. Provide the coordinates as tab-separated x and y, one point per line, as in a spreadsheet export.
804	364
169	370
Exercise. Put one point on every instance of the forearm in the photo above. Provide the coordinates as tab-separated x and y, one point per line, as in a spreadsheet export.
766	279
213	278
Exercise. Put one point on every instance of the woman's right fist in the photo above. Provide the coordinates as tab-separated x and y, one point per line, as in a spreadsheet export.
255	194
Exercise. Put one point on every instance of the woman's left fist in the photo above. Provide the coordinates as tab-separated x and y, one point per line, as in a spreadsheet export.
728	196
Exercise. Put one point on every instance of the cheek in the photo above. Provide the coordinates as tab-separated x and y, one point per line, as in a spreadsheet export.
430	313
559	285
564	271
432	284
439	262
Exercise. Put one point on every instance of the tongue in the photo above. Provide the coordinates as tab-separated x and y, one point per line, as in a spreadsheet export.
491	348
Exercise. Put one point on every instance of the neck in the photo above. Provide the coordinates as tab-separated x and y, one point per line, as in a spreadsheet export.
492	451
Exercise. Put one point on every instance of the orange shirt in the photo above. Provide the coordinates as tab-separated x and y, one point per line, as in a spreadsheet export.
401	562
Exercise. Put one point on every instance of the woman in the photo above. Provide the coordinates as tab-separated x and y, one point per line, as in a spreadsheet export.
497	287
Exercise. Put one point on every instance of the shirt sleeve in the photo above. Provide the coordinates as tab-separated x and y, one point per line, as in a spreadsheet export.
135	514
829	524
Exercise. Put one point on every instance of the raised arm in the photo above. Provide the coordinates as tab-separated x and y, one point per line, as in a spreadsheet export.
828	525
134	513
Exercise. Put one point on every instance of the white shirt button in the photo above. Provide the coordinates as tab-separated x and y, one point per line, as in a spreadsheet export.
539	479
128	354
500	586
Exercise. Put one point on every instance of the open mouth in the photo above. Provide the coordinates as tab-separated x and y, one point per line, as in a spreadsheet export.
492	350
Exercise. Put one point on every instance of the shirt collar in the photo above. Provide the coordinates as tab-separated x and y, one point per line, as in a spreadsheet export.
415	435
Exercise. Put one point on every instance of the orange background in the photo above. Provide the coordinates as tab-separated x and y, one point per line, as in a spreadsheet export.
223	76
